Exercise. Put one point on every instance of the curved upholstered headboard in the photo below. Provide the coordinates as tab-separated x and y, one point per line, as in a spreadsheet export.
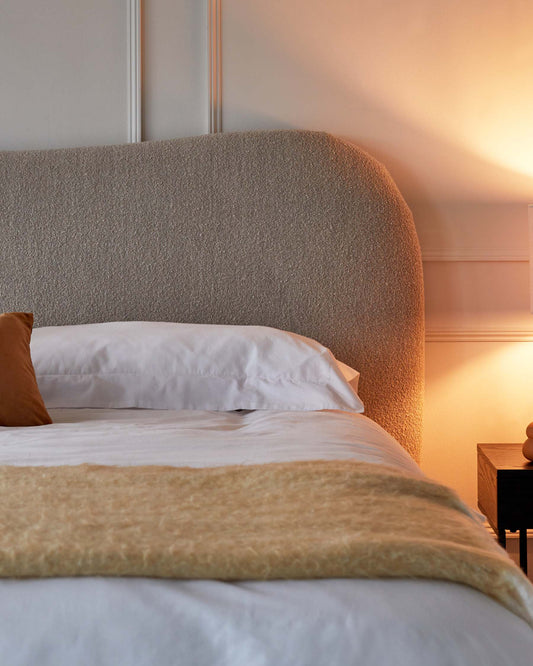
296	230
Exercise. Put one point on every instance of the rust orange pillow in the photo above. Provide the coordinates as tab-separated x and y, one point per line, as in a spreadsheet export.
20	401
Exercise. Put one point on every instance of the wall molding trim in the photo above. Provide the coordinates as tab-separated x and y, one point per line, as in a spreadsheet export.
478	335
530	229
214	59
474	254
134	72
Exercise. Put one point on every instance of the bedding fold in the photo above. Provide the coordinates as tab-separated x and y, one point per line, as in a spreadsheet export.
312	519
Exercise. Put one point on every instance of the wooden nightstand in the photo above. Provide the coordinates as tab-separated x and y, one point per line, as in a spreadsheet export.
505	491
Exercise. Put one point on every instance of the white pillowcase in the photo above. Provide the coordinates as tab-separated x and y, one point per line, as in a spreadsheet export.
159	365
349	374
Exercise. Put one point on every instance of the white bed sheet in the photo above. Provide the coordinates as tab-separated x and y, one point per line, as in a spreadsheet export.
141	622
199	438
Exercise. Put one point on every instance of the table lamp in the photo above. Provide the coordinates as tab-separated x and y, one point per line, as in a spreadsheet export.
527	449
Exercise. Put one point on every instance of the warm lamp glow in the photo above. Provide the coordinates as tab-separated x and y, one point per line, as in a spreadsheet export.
512	147
494	366
474	393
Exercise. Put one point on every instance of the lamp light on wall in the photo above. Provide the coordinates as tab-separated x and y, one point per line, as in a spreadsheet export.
527	449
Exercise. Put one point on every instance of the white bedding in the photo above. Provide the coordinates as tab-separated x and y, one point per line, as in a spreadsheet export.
198	438
141	622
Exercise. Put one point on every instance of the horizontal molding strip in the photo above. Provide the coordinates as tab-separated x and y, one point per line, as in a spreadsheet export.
478	335
474	254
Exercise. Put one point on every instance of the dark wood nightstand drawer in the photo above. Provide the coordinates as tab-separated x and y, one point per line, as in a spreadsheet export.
505	491
515	499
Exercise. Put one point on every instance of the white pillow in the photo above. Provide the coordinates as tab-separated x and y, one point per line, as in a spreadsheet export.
349	374
158	365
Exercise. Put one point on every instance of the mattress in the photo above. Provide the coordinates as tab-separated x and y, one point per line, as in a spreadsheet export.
148	621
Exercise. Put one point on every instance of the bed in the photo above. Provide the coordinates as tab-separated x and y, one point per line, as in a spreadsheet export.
239	237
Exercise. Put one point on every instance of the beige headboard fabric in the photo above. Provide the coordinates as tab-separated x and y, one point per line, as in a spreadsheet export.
297	230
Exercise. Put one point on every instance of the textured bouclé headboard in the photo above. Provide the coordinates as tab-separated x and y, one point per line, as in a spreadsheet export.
291	229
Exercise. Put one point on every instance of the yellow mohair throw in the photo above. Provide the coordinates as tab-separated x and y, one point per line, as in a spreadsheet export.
317	519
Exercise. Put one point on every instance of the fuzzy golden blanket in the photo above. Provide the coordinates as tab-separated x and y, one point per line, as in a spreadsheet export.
319	519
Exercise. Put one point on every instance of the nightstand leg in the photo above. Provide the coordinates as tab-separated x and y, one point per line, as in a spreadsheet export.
501	537
523	550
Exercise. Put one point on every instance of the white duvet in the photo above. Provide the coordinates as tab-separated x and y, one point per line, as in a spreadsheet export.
141	622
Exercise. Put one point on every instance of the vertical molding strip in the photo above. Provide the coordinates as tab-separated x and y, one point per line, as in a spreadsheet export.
214	40
530	224
134	71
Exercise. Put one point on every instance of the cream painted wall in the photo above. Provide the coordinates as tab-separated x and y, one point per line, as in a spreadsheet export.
175	68
475	392
440	91
62	73
63	77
